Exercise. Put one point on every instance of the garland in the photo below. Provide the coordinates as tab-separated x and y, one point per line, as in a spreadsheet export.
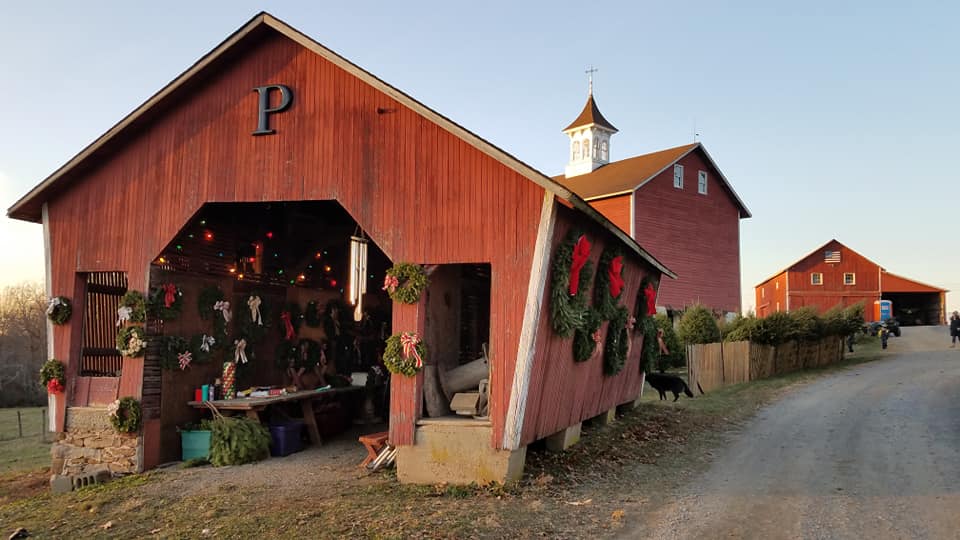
588	337
173	351
608	288
125	414
59	310
203	346
405	283
131	341
404	354
166	301
133	308
311	315
568	305
211	305
618	341
53	376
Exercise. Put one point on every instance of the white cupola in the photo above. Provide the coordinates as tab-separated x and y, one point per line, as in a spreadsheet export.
589	139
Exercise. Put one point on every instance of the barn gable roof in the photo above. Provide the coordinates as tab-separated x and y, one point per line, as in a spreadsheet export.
893	283
820	250
628	175
29	206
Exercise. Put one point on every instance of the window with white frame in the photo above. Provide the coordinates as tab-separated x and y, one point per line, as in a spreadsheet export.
604	151
816	278
678	176
849	278
702	182
576	150
586	149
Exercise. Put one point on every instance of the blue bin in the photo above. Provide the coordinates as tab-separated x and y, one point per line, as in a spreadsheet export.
286	438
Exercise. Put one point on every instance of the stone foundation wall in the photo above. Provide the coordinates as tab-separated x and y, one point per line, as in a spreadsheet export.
90	444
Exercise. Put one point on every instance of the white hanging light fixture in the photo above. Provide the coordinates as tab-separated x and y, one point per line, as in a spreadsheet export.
358	274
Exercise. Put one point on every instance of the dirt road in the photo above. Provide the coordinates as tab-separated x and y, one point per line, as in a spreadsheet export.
871	452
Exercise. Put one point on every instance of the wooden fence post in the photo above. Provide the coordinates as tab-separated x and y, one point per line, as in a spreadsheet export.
19	424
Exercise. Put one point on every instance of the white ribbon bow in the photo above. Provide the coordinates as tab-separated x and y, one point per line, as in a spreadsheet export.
54	302
123	314
206	342
254	304
239	354
223	307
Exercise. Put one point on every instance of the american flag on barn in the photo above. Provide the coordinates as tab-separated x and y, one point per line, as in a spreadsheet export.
831	256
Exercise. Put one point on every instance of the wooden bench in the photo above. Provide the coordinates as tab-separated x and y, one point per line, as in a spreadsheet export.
373	442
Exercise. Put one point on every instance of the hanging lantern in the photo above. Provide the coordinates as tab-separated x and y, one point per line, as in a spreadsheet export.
358	274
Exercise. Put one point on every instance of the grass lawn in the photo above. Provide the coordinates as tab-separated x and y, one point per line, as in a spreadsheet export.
25	453
614	477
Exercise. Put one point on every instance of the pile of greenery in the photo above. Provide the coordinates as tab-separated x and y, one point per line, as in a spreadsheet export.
803	324
237	440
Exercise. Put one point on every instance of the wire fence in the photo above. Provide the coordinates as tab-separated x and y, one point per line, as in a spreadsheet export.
24	423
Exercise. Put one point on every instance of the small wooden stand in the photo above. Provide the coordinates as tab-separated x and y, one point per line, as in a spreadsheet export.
373	443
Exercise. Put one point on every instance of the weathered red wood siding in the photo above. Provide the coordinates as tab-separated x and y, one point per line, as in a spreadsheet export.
697	236
772	295
563	392
616	209
833	292
420	192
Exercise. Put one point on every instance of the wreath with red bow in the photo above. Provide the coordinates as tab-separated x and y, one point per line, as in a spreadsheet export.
571	271
166	301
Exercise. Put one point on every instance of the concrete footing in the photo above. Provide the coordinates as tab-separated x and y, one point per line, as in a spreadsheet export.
605	418
458	453
561	440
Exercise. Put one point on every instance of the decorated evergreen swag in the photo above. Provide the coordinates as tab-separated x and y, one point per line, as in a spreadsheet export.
175	353
587	338
570	275
608	287
59	310
648	355
53	376
253	318
405	282
125	415
166	301
133	308
404	354
211	305
203	347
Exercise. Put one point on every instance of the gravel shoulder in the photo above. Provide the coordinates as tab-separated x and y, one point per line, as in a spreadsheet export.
873	451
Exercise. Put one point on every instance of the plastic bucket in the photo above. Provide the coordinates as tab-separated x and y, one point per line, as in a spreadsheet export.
194	444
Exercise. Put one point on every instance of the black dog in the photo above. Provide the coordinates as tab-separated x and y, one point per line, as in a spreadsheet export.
668	383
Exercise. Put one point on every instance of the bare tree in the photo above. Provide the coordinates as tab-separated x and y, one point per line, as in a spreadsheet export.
22	343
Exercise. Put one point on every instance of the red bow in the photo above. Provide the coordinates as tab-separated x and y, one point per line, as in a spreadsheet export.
409	341
581	252
54	386
285	317
170	294
651	296
616	280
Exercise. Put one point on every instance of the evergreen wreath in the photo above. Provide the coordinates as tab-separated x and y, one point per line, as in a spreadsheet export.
125	415
52	369
208	298
568	312
603	300
405	282
137	304
587	337
615	349
59	309
171	347
166	301
648	355
131	341
405	354
642	309
296	317
311	315
251	330
200	355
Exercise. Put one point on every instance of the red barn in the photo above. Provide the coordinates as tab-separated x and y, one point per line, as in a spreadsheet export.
247	180
835	275
676	202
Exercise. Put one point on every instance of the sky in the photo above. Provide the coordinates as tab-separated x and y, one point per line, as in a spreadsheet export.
830	119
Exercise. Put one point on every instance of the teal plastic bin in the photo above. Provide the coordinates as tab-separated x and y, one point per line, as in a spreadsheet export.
194	444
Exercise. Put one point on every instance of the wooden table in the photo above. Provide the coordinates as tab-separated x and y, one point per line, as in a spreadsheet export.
253	405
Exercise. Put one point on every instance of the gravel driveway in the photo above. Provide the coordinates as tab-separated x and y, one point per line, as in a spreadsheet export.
871	452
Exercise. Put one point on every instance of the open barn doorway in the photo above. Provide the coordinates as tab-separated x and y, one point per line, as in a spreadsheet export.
457	330
275	275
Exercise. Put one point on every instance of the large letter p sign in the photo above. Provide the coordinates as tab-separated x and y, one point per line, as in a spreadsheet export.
264	110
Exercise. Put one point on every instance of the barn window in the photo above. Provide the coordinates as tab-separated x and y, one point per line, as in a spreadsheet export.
604	151
98	353
596	148
763	292
849	278
586	148
702	182
576	150
678	176
776	285
816	278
